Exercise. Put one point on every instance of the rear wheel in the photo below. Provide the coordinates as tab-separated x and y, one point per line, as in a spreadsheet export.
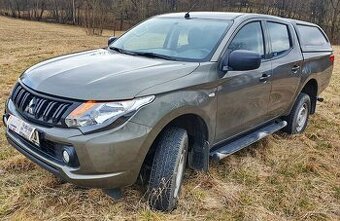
167	169
298	118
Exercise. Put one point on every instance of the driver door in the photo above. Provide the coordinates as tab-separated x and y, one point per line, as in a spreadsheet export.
243	96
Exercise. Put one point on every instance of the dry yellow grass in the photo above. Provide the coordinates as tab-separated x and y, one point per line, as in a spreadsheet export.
279	178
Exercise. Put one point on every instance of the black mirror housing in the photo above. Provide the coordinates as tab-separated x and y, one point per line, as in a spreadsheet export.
243	60
111	40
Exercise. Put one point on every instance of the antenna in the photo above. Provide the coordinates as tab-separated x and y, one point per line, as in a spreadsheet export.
187	15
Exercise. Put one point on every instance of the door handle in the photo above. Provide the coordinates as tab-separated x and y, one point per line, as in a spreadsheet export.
295	69
265	77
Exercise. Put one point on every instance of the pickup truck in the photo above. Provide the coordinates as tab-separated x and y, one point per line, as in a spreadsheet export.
175	91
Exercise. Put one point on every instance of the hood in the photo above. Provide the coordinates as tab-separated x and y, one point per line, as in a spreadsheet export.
102	75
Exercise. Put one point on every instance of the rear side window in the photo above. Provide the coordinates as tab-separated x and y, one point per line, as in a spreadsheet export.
249	38
311	36
279	37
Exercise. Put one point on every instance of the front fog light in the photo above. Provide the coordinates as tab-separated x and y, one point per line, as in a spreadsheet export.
69	156
66	157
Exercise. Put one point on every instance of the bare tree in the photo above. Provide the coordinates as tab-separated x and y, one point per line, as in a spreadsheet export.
95	15
335	4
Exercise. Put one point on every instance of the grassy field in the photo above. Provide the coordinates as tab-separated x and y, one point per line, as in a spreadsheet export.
279	178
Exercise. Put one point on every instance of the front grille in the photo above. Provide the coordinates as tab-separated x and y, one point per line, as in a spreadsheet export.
39	108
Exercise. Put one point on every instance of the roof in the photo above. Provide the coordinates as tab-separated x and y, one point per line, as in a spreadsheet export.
228	16
300	22
206	15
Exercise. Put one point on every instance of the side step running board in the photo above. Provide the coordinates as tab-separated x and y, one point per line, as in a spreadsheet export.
247	140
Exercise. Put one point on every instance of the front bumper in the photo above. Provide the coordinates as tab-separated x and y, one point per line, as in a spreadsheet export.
107	159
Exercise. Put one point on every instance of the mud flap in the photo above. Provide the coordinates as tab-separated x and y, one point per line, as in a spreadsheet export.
198	158
115	194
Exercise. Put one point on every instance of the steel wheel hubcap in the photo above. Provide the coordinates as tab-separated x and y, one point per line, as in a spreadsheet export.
302	117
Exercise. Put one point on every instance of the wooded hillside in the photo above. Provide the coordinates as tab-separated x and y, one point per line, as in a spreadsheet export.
122	14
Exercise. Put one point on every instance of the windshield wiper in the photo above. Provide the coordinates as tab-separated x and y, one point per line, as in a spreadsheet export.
146	54
154	55
122	51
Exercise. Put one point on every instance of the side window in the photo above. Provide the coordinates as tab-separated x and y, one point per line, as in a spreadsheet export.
250	38
311	36
279	37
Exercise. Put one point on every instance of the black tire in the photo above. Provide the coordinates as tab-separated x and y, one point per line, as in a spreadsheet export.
171	152
294	125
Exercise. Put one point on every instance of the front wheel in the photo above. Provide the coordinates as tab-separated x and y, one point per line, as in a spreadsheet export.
168	168
298	118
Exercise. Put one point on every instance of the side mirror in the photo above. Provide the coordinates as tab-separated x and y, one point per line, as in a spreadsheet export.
111	40
243	60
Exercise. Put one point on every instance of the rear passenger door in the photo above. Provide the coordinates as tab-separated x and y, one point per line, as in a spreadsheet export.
286	61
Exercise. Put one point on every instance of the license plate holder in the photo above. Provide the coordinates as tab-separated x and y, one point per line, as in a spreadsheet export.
24	130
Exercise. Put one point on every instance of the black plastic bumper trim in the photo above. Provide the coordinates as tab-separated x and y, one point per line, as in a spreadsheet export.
32	158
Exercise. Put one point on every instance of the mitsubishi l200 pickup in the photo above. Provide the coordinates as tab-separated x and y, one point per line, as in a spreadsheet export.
175	91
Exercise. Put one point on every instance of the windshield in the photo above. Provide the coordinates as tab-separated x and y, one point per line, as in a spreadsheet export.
174	38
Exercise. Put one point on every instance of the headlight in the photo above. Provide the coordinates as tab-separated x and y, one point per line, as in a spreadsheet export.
94	113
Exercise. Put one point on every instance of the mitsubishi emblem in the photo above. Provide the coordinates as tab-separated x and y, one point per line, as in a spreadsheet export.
31	106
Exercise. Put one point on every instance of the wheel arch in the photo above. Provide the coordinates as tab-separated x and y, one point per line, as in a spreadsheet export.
311	88
199	132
